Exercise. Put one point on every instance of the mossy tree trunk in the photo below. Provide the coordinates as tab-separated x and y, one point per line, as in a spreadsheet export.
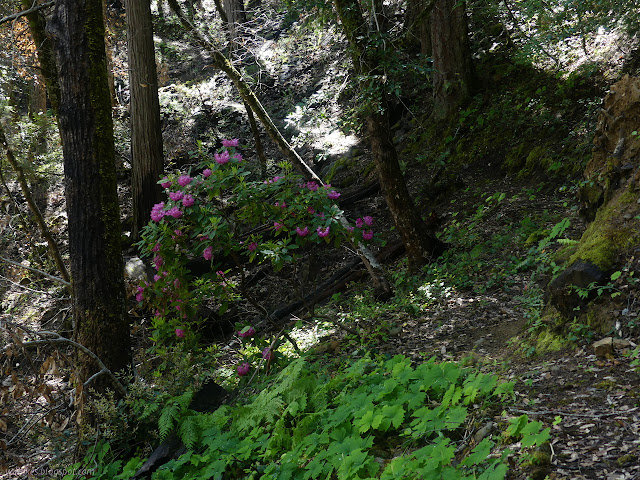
368	57
453	69
86	129
147	158
46	55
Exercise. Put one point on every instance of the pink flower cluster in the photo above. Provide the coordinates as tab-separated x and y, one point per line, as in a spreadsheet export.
243	369
230	143
250	332
158	212
221	158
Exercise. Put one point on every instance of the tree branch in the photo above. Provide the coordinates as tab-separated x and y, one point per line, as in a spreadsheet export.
57	338
57	279
33	9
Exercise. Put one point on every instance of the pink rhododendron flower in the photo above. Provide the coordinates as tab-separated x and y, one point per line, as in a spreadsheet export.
175	196
230	143
175	212
323	232
238	156
156	277
166	183
221	158
311	210
367	235
179	332
267	354
368	220
208	253
303	232
277	226
158	261
250	332
359	222
243	369
350	228
333	195
188	200
206	173
157	212
156	247
184	180
252	246
281	205
313	186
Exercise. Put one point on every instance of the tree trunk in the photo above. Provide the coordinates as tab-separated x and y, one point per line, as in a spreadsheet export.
46	54
419	243
453	69
147	159
417	25
86	130
234	10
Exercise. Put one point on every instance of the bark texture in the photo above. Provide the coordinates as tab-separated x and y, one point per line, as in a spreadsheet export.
453	69
86	129
147	158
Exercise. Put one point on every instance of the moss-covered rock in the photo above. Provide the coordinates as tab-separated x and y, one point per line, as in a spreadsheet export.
615	229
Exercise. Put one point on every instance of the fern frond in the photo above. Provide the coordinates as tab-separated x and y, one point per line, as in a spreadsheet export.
189	431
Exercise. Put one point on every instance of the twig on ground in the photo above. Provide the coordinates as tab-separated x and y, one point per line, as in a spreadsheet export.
45	274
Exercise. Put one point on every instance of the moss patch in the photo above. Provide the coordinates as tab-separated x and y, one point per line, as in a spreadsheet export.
550	342
614	230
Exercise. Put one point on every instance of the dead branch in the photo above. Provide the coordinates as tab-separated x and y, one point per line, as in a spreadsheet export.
33	9
42	225
57	338
35	270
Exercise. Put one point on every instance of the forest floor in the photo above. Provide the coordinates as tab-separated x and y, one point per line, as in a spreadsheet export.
596	398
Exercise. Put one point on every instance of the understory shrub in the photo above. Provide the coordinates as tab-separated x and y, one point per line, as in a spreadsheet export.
223	217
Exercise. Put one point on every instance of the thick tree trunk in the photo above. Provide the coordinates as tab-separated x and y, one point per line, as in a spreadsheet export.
147	159
86	129
453	69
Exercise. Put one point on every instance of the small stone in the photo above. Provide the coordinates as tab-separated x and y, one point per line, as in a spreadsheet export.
603	347
621	343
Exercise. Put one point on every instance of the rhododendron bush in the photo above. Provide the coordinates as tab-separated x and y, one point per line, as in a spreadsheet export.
220	212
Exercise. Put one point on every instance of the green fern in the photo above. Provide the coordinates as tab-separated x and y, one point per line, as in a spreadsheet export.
171	412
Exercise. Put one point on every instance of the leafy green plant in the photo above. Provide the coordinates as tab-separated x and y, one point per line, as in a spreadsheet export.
374	419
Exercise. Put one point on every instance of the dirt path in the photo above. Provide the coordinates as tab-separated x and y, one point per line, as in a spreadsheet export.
597	399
